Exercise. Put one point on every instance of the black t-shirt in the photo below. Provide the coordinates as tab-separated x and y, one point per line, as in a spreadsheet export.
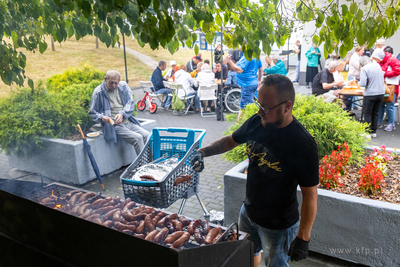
218	73
299	54
279	160
324	76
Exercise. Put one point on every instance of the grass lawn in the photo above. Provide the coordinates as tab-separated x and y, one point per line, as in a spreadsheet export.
73	53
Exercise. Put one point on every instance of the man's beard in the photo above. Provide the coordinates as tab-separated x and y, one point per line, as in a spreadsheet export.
272	125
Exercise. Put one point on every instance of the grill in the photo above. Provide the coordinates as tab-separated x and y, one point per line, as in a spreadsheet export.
50	236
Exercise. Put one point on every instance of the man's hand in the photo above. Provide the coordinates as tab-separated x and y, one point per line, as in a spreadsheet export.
298	249
105	119
118	118
198	161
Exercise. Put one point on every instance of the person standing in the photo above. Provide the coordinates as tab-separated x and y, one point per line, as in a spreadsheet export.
282	155
391	68
313	54
371	77
113	99
297	50
218	54
249	74
158	83
354	72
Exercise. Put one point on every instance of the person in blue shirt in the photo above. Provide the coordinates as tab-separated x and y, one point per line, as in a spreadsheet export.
278	68
313	54
249	74
158	83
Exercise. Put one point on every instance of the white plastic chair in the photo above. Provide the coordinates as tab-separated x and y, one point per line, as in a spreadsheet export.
178	89
205	93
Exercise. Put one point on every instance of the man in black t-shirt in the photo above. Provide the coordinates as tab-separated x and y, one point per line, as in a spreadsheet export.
324	83
282	155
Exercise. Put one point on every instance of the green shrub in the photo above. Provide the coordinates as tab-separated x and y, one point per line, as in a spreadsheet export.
326	122
85	74
28	114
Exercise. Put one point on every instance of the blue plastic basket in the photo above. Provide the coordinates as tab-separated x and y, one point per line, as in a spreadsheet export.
162	194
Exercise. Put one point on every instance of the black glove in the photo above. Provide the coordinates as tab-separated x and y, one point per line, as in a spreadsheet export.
298	249
197	161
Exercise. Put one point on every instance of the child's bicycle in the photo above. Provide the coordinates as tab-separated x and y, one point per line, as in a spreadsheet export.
149	100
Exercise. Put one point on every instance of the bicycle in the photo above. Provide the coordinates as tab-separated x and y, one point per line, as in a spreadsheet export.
141	104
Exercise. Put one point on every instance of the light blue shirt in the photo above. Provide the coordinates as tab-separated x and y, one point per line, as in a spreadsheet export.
250	69
278	68
371	77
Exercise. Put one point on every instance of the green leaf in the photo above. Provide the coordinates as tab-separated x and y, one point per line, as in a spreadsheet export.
14	37
390	12
196	49
316	39
30	83
359	15
42	47
189	43
353	8
345	9
218	20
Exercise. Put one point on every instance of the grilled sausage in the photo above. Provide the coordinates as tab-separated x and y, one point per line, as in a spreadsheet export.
216	238
147	177
47	200
128	216
98	221
83	208
135	223
91	217
138	209
149	223
128	206
150	236
71	193
121	226
75	198
158	217
115	200
181	240
193	225
129	232
170	226
103	210
206	227
86	214
184	221
161	235
177	225
198	236
116	216
173	237
108	223
86	196
182	179
140	228
142	236
96	203
139	217
109	214
212	234
166	219
232	236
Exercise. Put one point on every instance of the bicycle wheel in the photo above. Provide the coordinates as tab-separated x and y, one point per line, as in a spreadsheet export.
141	105
153	108
232	100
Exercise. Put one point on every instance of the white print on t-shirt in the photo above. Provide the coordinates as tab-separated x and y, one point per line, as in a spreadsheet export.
262	161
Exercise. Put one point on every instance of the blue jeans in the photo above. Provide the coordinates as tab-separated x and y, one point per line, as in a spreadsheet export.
168	99
297	71
196	100
390	111
247	95
274	243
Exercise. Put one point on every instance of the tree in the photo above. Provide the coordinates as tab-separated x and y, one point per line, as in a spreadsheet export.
167	23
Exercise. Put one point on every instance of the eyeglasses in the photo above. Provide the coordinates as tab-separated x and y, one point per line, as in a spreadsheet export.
266	110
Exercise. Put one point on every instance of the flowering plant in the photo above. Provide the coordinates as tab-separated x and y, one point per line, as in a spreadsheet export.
334	166
371	180
382	157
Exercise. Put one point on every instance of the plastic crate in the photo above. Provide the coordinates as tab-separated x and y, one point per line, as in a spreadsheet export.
162	194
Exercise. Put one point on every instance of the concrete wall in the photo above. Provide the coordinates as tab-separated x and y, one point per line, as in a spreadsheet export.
67	161
351	228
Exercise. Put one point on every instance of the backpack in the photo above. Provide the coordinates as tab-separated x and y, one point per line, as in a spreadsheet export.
176	103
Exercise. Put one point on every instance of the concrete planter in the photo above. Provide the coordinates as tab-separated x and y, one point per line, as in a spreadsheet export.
67	161
351	228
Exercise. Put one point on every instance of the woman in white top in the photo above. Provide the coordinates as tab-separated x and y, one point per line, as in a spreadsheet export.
184	78
205	77
355	69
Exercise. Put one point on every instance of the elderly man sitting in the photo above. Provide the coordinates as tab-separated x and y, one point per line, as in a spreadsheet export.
324	83
278	68
158	83
113	99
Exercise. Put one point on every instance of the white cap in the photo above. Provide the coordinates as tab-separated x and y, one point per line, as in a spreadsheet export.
380	42
173	62
379	54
